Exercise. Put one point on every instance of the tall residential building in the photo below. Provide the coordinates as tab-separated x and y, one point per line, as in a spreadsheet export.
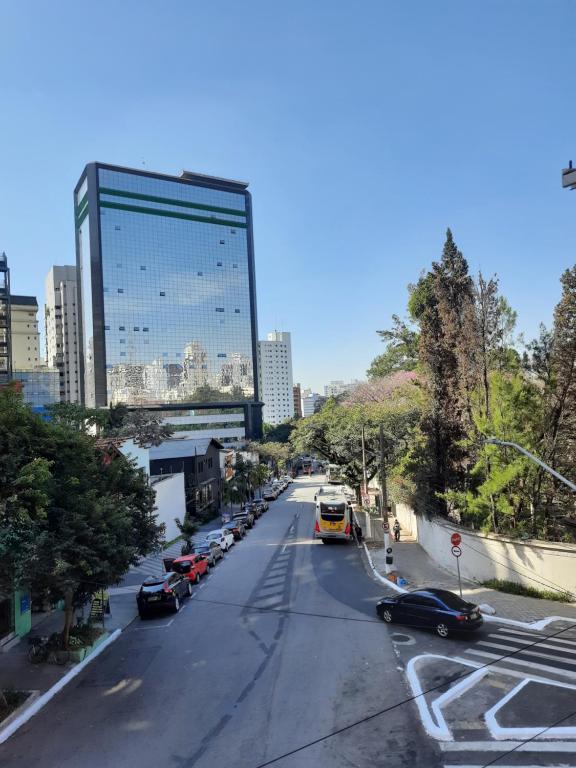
25	334
62	352
275	371
297	394
167	302
5	322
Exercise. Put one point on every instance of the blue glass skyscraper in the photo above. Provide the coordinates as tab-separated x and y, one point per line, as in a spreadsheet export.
167	291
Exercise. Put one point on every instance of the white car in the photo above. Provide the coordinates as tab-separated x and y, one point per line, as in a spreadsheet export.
287	479
221	536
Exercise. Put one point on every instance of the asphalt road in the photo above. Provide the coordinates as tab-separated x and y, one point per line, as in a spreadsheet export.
278	651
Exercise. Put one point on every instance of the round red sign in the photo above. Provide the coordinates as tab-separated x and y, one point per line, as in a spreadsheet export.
456	539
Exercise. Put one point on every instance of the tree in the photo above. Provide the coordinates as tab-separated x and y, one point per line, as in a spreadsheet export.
145	428
187	528
78	417
70	523
401	350
278	433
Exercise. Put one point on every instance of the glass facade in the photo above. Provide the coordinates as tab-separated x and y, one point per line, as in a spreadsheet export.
39	387
166	274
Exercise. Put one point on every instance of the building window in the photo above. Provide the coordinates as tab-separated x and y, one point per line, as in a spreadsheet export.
219	309
145	330
121	327
162	293
222	242
120	290
200	274
237	311
142	269
136	328
218	263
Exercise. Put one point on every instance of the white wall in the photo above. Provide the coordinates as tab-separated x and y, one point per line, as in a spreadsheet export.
133	451
170	501
544	565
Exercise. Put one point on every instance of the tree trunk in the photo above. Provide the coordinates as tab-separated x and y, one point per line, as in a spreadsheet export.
68	616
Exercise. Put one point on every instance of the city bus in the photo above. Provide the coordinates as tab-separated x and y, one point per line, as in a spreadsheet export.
334	475
333	516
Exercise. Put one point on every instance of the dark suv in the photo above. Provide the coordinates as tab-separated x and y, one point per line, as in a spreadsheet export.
163	593
246	518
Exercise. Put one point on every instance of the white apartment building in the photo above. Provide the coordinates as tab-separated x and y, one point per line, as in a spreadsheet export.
61	318
309	400
275	372
25	334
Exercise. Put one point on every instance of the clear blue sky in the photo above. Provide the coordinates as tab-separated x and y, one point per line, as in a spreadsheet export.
365	129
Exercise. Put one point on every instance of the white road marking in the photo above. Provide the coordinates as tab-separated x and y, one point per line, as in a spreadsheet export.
284	548
540	645
562	640
524	663
529	652
499	746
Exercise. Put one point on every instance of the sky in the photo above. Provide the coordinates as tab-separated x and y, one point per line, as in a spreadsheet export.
365	130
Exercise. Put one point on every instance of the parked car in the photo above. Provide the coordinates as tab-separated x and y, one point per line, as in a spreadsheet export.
193	566
237	528
251	507
163	593
261	505
246	518
211	550
269	493
221	536
436	609
287	479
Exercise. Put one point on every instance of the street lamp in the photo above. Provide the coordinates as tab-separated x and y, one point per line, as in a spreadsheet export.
497	441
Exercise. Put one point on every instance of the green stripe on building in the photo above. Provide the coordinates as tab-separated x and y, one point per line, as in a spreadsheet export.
172	214
81	216
169	201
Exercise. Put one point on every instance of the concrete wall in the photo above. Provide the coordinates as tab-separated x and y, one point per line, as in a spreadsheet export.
544	565
170	502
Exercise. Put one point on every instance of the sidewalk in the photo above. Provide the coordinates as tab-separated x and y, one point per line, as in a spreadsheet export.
417	567
15	669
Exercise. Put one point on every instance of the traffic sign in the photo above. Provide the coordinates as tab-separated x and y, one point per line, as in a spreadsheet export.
386	527
456	539
456	551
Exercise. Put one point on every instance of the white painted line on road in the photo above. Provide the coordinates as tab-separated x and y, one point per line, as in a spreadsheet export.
283	548
41	701
500	733
561	640
530	664
498	746
521	642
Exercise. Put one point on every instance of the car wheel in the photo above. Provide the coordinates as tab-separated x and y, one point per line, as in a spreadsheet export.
189	592
442	630
176	604
387	615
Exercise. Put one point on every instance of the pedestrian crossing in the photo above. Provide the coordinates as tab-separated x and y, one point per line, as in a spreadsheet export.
552	654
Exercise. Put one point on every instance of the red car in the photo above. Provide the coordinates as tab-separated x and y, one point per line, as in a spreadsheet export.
192	566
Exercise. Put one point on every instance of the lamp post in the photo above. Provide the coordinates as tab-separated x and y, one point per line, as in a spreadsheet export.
557	475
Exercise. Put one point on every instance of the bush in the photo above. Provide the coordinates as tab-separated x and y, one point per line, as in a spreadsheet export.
519	589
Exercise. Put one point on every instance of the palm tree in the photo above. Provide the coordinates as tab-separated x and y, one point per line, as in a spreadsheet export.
232	494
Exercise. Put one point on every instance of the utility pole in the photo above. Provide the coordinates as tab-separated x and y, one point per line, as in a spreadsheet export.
364	473
383	485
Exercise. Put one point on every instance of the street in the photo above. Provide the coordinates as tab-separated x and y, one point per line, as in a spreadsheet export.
278	659
278	648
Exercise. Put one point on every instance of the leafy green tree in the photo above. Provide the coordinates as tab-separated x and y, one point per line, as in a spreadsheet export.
70	523
401	350
187	528
78	417
278	433
146	428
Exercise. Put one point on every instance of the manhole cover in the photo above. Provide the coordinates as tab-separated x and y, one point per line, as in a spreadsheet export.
400	639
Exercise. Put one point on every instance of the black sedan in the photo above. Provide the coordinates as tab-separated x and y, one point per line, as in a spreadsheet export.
261	505
436	609
163	593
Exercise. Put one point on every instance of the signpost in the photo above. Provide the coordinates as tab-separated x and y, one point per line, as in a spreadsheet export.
386	527
456	551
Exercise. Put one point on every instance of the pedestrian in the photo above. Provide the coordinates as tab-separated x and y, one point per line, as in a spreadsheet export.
396	529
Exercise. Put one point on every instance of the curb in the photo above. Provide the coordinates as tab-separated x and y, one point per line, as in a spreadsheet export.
379	576
42	700
538	625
